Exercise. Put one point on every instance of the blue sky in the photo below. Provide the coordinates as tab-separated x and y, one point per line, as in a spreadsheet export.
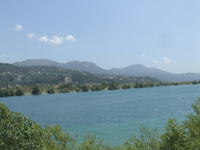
115	33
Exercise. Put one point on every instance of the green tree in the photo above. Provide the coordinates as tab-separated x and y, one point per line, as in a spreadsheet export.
85	88
18	131
19	92
136	85
174	137
90	142
51	91
103	85
77	89
151	84
57	139
36	90
7	92
125	86
176	83
12	92
141	85
194	82
148	140
192	126
2	93
113	86
95	88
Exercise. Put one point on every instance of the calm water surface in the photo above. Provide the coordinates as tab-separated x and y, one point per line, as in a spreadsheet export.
111	115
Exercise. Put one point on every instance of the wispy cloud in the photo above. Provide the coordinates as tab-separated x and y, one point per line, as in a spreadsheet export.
44	39
2	56
143	55
166	60
18	27
154	61
30	35
57	40
70	38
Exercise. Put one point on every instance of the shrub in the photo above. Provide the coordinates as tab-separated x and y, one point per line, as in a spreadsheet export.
18	131
19	92
2	93
36	90
195	82
50	91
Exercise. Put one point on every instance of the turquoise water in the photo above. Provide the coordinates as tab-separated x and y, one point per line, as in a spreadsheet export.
111	115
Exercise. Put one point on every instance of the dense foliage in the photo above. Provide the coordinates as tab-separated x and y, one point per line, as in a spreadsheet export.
19	92
19	132
66	88
50	90
113	86
195	82
36	90
10	92
125	86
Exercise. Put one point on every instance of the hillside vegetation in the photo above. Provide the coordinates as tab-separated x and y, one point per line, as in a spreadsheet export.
14	76
132	70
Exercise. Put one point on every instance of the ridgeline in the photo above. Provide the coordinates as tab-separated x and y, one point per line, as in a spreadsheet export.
14	76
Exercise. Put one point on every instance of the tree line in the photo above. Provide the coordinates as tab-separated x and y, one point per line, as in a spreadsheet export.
66	88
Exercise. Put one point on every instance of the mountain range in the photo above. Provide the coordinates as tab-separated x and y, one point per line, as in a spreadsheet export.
132	70
15	76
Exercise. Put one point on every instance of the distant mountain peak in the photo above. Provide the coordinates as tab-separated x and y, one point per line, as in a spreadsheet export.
37	62
132	70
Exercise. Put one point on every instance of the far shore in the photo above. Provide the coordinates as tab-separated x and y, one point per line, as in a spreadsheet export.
56	92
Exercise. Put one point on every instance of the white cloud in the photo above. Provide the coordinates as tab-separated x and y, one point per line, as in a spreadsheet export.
30	35
2	56
70	38
154	61
44	39
18	27
57	40
143	55
166	60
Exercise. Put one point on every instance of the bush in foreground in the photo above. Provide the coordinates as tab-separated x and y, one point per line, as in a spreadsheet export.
18	131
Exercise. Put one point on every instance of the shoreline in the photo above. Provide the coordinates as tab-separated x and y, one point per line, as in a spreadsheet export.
43	93
66	88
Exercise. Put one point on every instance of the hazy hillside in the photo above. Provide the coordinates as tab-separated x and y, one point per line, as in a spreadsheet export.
84	66
133	70
74	65
37	62
137	70
140	70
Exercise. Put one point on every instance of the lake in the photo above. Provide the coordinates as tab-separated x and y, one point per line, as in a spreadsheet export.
111	115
